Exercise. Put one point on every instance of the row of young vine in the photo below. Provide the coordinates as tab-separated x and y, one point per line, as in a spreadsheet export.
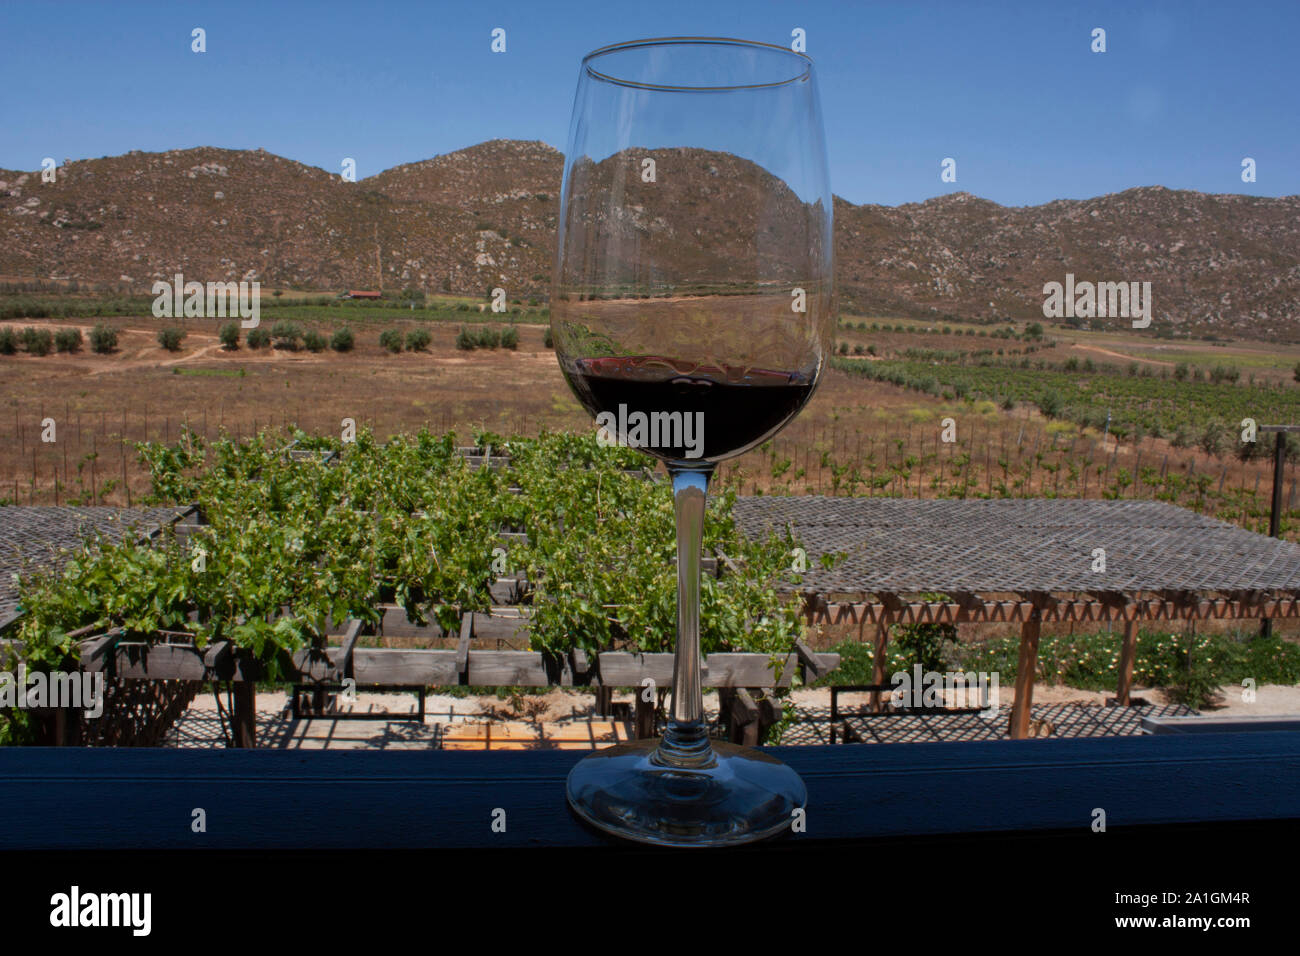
1209	414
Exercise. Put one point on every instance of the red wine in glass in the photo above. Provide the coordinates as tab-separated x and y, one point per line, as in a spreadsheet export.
729	411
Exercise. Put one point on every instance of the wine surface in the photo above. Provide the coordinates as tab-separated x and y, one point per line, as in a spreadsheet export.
707	415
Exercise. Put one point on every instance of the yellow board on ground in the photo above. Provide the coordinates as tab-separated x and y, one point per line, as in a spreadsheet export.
521	735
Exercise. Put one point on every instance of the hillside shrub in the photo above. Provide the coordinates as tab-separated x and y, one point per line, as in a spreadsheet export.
171	337
481	338
68	340
103	338
342	340
286	334
37	341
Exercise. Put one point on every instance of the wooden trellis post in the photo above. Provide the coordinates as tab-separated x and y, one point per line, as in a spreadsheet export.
1275	512
1025	671
1127	654
878	661
645	715
244	719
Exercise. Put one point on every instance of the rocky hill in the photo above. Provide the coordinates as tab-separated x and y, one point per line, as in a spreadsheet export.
1221	264
486	216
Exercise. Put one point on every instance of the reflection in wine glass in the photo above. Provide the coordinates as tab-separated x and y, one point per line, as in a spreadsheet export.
692	314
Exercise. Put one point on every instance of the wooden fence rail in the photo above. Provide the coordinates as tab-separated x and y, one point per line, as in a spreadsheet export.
166	658
172	659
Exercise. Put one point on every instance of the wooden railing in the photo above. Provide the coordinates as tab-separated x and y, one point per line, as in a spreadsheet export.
333	800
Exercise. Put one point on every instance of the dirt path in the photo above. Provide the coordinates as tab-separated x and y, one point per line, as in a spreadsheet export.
1120	355
141	359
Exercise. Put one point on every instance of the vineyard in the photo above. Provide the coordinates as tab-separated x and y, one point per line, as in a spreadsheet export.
845	443
290	547
1186	412
984	459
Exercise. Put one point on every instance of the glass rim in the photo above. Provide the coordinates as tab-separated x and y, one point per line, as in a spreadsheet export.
804	73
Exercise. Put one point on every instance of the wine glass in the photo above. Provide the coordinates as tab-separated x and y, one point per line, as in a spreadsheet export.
692	314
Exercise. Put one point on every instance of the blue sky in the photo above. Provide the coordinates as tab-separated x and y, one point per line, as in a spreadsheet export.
1011	90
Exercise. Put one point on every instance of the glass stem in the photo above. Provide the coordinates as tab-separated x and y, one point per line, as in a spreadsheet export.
686	741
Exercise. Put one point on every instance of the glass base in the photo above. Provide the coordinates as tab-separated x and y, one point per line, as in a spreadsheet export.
743	796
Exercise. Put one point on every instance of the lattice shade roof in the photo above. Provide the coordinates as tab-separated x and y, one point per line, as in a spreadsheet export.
38	535
1020	545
